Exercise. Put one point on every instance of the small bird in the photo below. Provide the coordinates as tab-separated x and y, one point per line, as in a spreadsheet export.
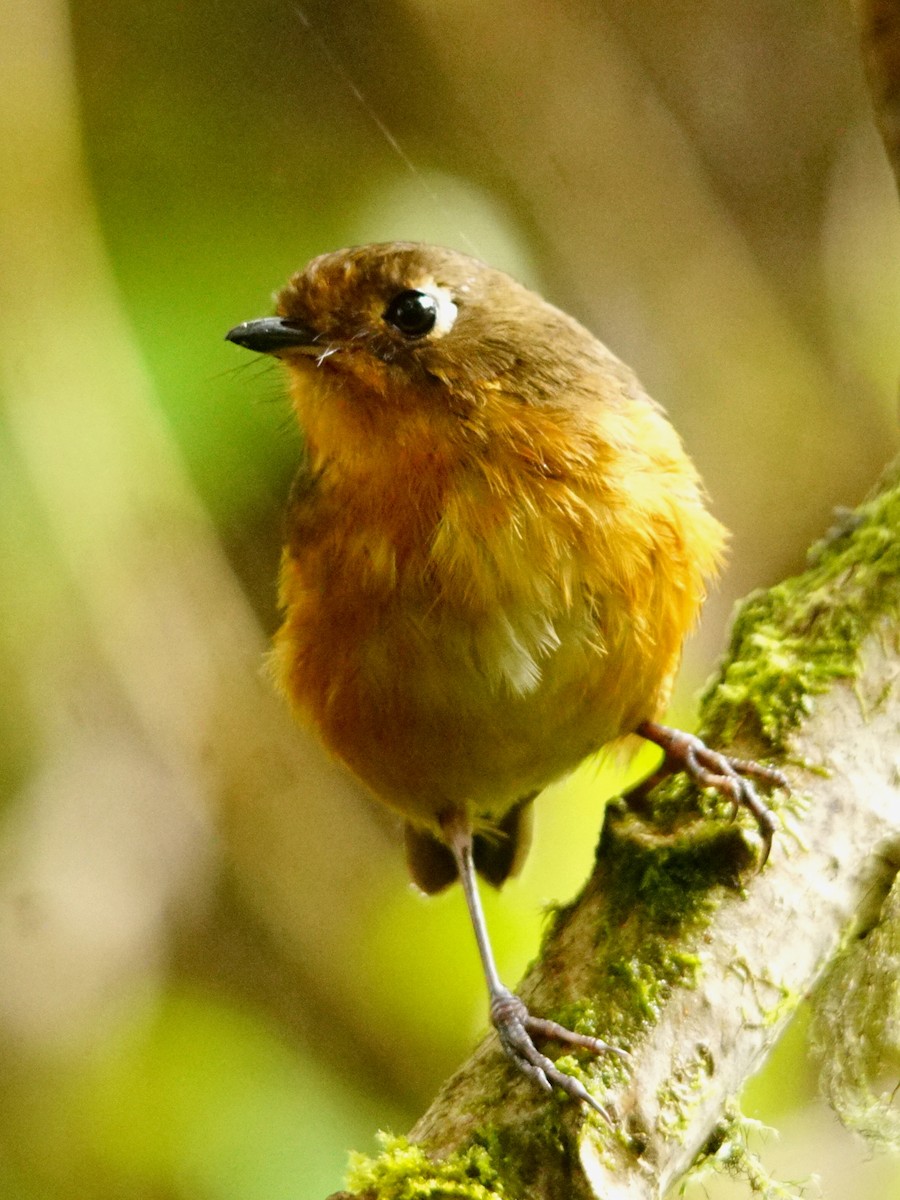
495	546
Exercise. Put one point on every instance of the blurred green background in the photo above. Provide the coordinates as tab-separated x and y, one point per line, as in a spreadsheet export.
214	978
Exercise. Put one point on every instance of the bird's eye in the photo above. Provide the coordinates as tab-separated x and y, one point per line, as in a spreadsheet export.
413	313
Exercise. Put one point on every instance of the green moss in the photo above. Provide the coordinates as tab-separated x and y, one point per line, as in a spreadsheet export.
855	1032
792	642
728	1152
652	891
403	1171
523	1155
658	897
497	1163
682	1092
772	1000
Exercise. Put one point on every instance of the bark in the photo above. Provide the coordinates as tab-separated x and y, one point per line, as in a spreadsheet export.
880	35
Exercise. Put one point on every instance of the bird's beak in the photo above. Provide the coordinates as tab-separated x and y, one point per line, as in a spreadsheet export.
268	335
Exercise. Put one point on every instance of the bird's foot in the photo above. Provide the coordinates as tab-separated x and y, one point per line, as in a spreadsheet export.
731	777
517	1027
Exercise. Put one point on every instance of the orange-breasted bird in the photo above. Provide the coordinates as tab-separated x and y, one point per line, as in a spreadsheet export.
495	547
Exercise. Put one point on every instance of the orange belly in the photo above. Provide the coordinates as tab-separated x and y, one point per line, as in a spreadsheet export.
434	706
461	636
420	712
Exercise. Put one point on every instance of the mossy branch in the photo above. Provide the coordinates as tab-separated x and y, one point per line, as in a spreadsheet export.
677	948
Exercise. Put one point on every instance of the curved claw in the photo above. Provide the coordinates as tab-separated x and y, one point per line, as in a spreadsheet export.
515	1026
552	1029
730	777
769	776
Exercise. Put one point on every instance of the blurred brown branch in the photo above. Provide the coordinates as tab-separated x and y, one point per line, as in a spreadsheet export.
880	34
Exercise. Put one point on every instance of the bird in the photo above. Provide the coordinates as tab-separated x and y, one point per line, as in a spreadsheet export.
495	545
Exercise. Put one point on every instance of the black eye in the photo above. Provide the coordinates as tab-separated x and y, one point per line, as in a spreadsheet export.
413	313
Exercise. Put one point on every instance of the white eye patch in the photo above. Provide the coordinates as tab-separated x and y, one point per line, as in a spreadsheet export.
446	308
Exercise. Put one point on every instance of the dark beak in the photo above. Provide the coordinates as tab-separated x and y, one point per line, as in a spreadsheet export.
268	335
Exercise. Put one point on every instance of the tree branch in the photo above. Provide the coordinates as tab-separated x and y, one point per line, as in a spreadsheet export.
880	36
676	949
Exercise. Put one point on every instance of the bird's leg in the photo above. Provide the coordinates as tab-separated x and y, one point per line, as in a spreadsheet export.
730	777
509	1015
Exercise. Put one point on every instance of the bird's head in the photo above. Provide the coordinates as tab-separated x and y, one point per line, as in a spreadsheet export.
403	325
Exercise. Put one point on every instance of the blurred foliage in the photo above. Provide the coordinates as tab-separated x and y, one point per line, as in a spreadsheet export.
191	1098
216	980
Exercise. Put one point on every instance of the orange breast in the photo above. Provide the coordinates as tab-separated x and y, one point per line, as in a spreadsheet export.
467	624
